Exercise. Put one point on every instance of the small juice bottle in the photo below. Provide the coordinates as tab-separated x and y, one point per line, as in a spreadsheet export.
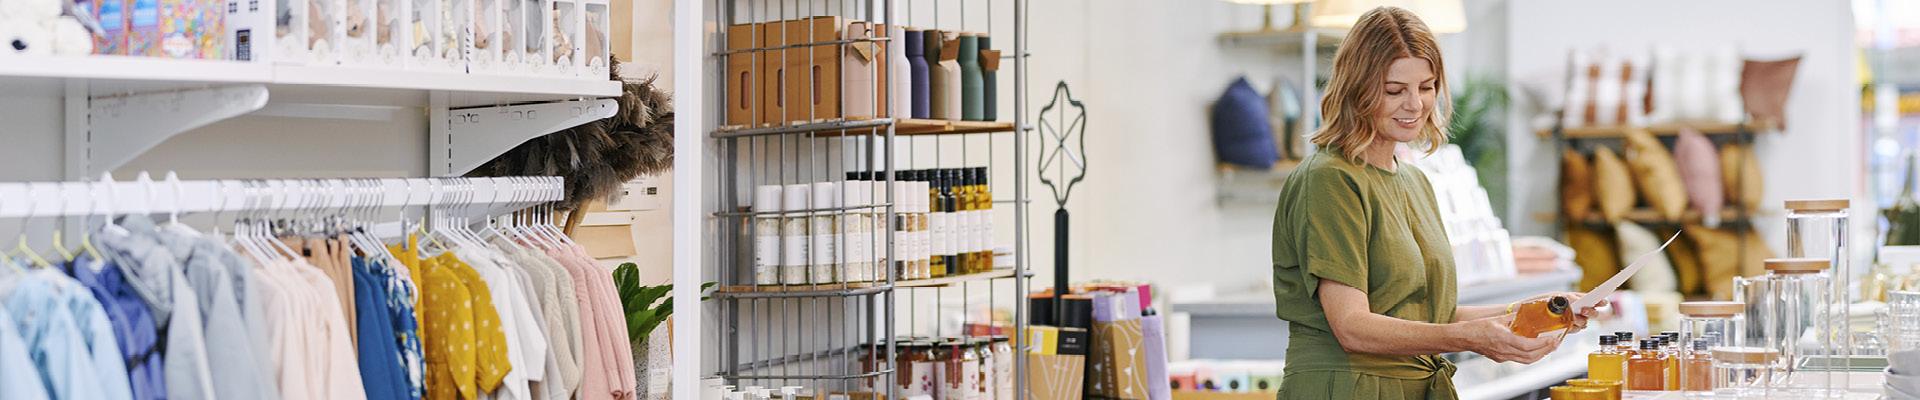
1698	368
1671	352
1540	316
1647	370
1608	363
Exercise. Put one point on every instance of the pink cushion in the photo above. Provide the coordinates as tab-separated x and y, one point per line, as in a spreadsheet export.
1699	164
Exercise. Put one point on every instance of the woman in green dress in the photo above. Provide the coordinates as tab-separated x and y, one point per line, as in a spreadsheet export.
1362	268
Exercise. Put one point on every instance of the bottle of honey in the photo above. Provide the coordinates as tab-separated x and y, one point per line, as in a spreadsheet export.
1647	370
1541	316
1608	363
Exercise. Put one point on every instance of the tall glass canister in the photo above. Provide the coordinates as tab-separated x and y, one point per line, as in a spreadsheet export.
1818	229
1705	325
1786	312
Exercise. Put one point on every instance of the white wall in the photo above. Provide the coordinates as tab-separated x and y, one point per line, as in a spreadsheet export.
1818	156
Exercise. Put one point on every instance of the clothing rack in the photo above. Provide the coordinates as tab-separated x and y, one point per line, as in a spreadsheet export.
460	197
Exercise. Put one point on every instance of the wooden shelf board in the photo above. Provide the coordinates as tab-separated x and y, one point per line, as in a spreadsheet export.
1646	216
935	282
1609	132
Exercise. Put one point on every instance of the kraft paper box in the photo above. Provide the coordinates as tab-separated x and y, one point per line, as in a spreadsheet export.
744	91
774	76
1118	365
813	81
1055	377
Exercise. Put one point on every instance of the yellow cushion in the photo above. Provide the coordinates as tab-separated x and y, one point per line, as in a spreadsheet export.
1686	264
1596	252
1612	185
1740	173
1576	186
1657	177
1726	253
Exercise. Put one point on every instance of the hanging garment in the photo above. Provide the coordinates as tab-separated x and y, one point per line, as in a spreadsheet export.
515	322
381	373
19	379
67	332
562	333
609	323
489	337
401	293
340	374
448	326
211	269
154	273
133	326
283	298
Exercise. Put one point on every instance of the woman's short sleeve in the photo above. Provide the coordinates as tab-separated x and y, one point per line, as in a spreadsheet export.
1329	224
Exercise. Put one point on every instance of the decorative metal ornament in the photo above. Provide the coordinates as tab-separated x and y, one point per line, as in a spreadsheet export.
1063	164
1063	136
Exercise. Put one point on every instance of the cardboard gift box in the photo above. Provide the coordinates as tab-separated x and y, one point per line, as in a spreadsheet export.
1055	376
813	71
744	91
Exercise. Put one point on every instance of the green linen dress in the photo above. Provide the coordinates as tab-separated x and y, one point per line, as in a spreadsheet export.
1375	230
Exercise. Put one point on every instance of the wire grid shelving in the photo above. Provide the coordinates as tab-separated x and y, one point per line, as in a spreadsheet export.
840	336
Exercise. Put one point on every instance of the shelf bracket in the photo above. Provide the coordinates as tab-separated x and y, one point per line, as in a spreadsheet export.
120	128
465	138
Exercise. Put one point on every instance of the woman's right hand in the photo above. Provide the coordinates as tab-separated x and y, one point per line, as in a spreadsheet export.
1491	338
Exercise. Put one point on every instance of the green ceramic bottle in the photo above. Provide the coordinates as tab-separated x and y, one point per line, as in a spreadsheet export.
972	85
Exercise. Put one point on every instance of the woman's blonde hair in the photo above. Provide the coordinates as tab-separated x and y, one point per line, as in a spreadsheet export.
1353	93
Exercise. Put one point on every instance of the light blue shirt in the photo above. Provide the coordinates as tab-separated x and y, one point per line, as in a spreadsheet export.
155	273
72	342
19	379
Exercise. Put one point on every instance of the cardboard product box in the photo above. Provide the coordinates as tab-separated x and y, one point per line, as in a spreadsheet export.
743	100
771	66
1117	367
813	86
1056	376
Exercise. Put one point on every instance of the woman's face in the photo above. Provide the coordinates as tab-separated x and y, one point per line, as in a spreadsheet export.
1406	99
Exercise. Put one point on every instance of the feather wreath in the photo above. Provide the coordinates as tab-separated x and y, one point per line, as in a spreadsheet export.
599	156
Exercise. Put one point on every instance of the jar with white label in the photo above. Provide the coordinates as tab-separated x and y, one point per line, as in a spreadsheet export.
1002	368
825	267
857	230
795	239
766	235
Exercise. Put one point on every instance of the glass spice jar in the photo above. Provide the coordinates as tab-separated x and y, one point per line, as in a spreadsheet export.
1788	308
766	235
1744	371
825	230
795	238
1705	325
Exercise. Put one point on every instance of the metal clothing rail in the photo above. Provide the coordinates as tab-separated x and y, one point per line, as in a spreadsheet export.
460	196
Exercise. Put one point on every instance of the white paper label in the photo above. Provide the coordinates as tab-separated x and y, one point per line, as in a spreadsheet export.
859	246
940	225
794	259
766	260
919	379
826	249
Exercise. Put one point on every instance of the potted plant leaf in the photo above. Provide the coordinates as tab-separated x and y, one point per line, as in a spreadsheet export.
646	307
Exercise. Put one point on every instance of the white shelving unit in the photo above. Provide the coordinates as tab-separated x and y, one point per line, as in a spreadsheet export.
116	107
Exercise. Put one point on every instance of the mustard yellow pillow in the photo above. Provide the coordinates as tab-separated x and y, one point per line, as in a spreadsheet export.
1576	186
1596	252
1612	185
1657	177
1740	173
1726	253
1686	264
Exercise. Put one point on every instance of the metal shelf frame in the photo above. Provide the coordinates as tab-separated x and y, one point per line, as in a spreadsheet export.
841	336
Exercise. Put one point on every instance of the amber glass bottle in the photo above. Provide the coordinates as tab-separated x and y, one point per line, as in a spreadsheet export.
1670	349
1541	316
1647	370
1608	363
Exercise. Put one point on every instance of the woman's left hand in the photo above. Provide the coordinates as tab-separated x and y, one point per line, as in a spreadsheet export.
1581	316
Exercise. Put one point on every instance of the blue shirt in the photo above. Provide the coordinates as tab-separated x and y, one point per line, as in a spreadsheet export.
218	277
381	372
19	379
133	328
71	340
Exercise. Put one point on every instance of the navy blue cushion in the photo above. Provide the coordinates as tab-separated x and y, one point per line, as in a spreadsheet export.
1242	134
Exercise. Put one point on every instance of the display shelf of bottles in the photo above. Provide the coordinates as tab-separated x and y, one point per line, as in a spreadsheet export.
1614	132
872	126
832	288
